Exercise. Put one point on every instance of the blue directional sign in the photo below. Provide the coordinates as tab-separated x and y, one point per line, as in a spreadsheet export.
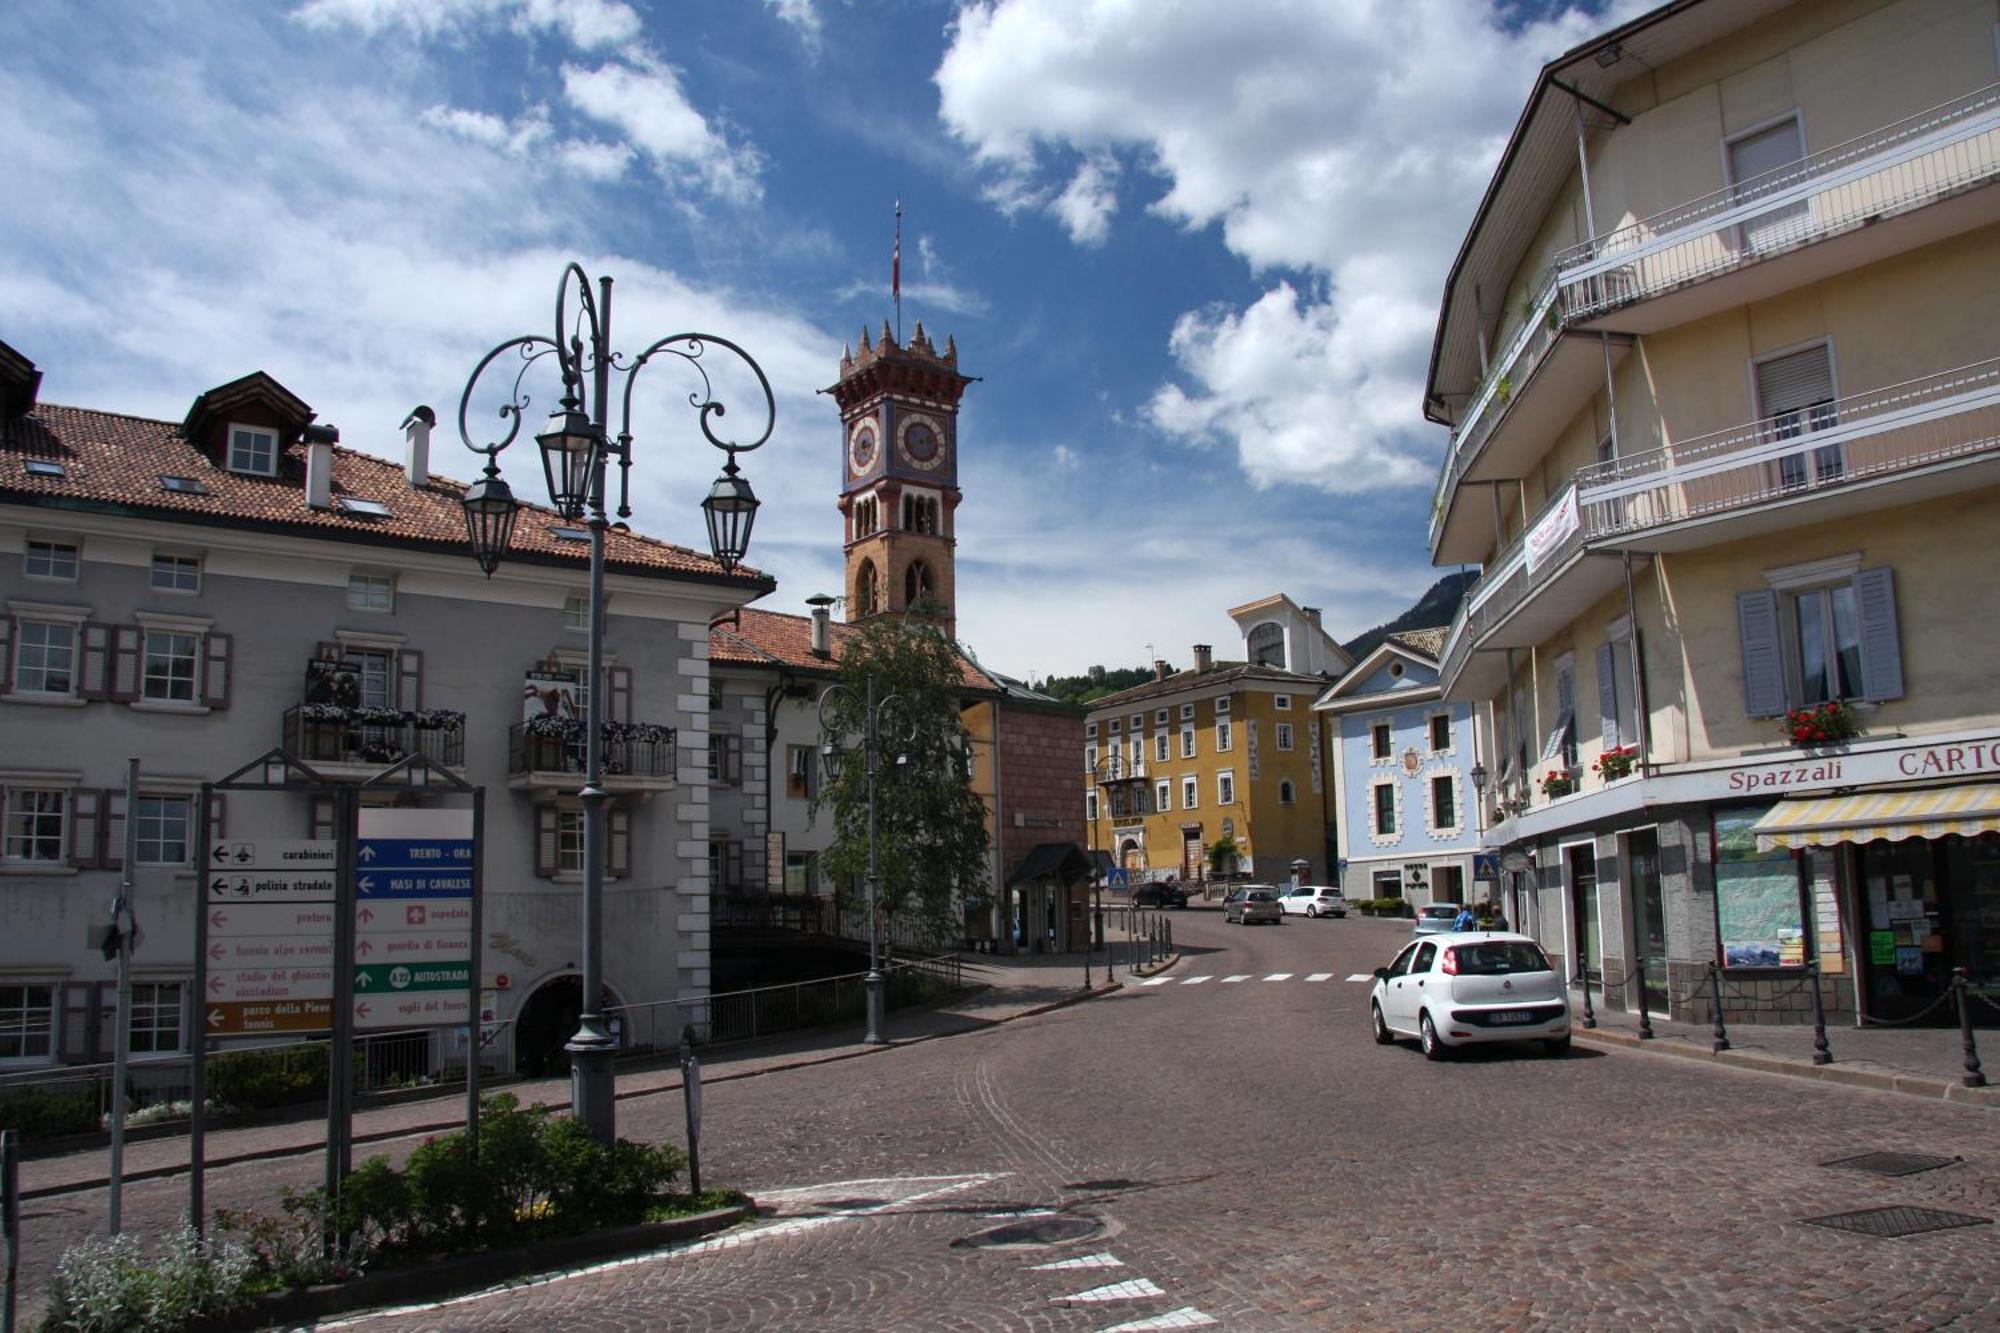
413	854
413	892
412	883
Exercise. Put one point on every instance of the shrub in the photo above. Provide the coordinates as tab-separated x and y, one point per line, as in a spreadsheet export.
276	1076
40	1114
114	1286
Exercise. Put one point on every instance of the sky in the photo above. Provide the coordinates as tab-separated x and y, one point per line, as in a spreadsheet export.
1193	252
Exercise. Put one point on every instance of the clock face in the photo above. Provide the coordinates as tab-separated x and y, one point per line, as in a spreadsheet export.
921	441
861	446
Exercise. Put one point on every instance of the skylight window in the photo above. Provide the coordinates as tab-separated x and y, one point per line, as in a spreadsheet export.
371	508
184	485
571	534
43	467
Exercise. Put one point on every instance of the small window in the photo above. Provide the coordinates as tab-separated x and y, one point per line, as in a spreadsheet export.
1267	645
569	842
170	661
1190	793
798	771
1161	746
1380	742
50	560
1222	737
1287	793
181	485
1187	742
1090	758
1284	730
1090	731
44	467
163	830
1117	727
27	1022
1138	723
1225	789
571	534
1187	712
176	573
1163	795
1385	808
371	592
1282	702
1160	718
1222	705
576	611
253	451
1444	802
1441	731
35	828
1090	806
45	660
366	508
157	1010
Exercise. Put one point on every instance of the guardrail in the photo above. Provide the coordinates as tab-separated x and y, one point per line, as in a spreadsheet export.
1507	373
745	1015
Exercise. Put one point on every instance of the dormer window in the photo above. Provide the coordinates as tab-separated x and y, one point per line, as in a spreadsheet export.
254	451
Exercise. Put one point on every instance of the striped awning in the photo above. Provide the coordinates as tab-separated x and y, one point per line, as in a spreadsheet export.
1825	821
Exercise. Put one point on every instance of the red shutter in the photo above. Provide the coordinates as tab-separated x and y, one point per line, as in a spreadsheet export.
112	857
617	841
86	810
545	841
220	657
218	809
6	653
322	818
125	643
95	680
409	679
620	679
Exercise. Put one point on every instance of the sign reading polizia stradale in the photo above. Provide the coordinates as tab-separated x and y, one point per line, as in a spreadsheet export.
413	919
270	919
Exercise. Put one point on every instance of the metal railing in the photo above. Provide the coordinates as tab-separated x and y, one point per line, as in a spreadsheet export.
1506	375
624	755
349	739
1120	768
764	1011
805	913
1902	165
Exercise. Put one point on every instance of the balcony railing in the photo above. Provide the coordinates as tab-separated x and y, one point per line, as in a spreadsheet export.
631	749
1913	161
332	734
1938	418
1507	373
1117	768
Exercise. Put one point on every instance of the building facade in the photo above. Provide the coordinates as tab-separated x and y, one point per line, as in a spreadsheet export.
1404	766
195	593
1723	384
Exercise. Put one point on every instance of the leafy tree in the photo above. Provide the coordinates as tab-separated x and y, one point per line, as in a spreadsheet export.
930	826
1222	854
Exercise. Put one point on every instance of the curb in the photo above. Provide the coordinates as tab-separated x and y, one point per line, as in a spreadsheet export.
1908	1085
458	1122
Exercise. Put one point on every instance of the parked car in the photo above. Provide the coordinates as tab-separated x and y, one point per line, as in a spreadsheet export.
1163	894
1314	900
1435	918
1457	989
1258	902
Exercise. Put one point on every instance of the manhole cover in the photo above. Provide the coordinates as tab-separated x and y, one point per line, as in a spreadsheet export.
1120	1183
1894	1163
1892	1222
1036	1231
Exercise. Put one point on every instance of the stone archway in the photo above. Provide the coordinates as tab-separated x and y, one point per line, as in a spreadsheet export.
546	1022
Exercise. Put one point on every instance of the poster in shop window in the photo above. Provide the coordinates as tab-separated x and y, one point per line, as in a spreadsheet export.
1758	912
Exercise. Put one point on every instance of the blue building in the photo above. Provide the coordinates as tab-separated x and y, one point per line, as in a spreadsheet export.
1403	760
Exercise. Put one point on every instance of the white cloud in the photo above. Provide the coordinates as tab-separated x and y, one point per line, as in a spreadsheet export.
1347	141
588	24
1066	459
594	160
650	108
804	18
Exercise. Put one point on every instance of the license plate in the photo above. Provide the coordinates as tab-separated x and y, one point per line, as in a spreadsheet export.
1513	1016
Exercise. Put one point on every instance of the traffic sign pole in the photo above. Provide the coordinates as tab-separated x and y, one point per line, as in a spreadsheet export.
339	1089
198	1071
472	1023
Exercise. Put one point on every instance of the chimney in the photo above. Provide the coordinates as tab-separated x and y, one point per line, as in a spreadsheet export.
1204	657
1159	668
319	465
417	444
822	642
1312	614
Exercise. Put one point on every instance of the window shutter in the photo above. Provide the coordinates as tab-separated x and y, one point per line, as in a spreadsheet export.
733	865
1790	383
617	841
218	809
409	679
220	658
620	685
1607	695
322	818
732	759
1763	658
112	829
6	653
95	680
86	806
125	641
545	841
1881	649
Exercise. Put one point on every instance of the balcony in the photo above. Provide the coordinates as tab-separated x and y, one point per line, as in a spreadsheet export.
1905	185
1117	768
547	755
344	742
1927	437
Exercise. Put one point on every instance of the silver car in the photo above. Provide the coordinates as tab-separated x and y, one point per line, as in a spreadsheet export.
1256	904
1457	989
1436	918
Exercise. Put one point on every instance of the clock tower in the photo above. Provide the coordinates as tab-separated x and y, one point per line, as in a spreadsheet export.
899	474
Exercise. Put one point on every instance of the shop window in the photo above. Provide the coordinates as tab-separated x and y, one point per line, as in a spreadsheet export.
1388	884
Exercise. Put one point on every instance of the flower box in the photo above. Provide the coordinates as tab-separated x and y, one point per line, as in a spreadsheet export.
1821	724
1557	782
1616	763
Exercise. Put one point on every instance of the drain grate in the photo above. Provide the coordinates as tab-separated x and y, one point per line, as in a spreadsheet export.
1890	1223
1035	1231
1116	1183
1894	1163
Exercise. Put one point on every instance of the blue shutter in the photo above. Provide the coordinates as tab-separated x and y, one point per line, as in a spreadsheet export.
1607	696
1881	649
1763	656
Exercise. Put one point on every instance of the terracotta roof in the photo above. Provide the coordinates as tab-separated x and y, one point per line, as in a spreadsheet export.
1429	642
113	463
1219	673
774	639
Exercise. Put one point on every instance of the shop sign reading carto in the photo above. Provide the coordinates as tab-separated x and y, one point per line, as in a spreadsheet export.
1914	763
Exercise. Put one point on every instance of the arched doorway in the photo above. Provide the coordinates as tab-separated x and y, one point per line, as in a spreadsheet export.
546	1022
1128	855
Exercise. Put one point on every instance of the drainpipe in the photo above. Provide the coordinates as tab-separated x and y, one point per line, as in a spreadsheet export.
1001	893
1639	674
1590	229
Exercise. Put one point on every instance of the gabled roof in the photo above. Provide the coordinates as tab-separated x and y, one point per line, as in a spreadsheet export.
773	639
1429	643
1220	673
1420	646
113	464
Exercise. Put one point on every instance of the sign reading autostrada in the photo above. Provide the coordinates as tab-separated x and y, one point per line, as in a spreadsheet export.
269	956
413	918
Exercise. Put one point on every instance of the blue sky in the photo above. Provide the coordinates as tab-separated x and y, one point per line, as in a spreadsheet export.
1194	252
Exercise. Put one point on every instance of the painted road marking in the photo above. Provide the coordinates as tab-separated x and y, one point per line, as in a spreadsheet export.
1319	976
1193	981
1279	976
1185	1317
1362	976
1086	1261
1240	976
1132	1289
1156	981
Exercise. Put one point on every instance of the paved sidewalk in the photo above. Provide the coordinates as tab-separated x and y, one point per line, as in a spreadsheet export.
1008	988
1919	1061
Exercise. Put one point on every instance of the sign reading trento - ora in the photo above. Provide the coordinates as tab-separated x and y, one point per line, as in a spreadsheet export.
413	918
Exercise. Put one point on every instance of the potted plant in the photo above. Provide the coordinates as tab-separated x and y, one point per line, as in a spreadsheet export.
322	728
1557	782
1821	724
1615	763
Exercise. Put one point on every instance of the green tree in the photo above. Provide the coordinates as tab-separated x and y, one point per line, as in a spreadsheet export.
930	827
1222	854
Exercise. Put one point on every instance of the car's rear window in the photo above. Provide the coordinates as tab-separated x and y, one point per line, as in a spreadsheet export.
1499	958
1439	911
1262	896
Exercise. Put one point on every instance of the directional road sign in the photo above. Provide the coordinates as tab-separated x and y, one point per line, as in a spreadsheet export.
274	854
269	957
412	1009
413	918
227	1019
304	982
301	886
269	951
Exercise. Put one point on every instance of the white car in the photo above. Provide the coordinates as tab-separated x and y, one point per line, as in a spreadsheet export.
1314	900
1457	989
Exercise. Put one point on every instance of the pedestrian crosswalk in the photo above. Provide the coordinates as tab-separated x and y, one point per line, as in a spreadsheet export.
1237	978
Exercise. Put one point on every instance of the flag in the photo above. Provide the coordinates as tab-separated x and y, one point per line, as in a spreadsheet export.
896	256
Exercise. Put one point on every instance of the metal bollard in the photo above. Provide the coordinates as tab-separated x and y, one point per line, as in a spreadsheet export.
1974	1077
1170	935
1645	1005
1822	1053
10	1220
1583	975
1721	1041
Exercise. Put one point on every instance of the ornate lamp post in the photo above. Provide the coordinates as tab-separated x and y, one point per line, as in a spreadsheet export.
832	754
576	447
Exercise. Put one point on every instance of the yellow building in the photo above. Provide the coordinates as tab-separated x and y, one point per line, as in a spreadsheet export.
1226	749
1722	373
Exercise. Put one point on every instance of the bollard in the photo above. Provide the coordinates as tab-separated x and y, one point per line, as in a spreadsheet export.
1822	1053
1721	1042
1170	936
10	1220
1974	1078
1583	975
1645	1005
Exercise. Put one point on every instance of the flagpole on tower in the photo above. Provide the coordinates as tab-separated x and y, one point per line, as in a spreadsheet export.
896	270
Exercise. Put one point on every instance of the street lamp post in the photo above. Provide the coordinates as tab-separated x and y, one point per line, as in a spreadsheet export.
832	754
576	447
